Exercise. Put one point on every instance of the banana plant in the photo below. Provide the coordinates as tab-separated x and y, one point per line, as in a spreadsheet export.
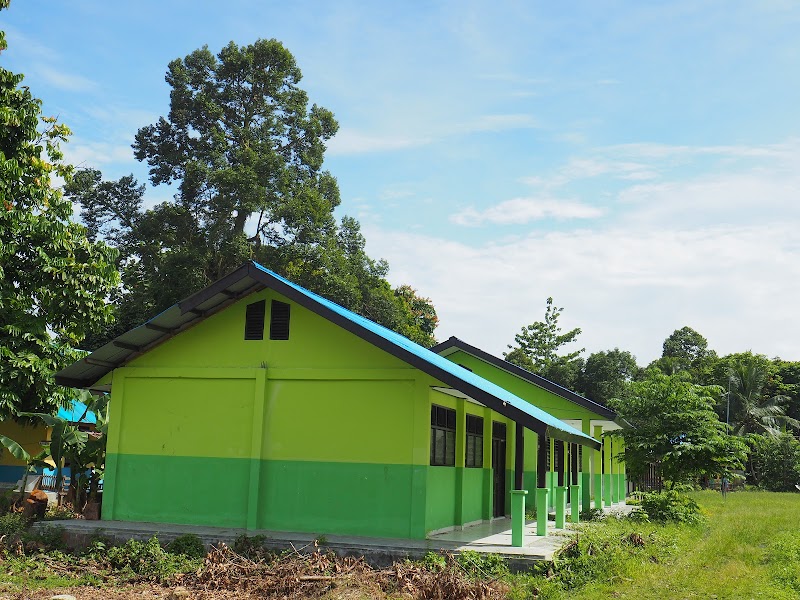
65	441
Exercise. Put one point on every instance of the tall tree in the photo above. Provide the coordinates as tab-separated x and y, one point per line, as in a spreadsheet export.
606	375
673	426
537	349
751	410
53	279
246	152
685	350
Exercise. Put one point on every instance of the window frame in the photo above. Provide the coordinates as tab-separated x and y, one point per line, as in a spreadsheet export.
474	439
443	427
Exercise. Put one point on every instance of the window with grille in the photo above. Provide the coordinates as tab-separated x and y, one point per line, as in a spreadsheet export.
443	436
254	321
474	443
279	321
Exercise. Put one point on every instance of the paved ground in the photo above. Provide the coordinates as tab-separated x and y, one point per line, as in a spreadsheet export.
493	537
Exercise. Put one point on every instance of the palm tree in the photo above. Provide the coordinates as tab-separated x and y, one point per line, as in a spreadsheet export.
751	411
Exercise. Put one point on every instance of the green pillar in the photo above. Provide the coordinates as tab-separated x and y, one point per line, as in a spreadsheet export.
597	491
518	517
541	511
561	506
586	470
614	471
552	473
575	507
607	485
623	484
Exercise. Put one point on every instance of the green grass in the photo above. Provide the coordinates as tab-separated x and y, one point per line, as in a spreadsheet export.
748	547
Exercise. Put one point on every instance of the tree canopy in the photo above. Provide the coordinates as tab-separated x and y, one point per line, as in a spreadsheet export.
674	427
537	349
53	279
606	375
246	152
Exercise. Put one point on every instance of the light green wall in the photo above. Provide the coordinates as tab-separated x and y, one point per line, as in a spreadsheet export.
323	433
559	407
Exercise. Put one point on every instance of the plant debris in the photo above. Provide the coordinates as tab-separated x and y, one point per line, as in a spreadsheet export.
298	574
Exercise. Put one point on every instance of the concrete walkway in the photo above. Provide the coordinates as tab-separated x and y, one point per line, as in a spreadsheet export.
493	537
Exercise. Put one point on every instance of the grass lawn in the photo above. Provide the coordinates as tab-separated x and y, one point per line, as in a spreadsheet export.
749	547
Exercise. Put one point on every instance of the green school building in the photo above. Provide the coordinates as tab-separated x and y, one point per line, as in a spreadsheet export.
600	474
257	404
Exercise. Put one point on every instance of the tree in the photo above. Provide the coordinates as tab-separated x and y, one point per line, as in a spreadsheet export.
673	426
686	350
606	375
537	347
751	410
53	279
244	146
246	152
774	462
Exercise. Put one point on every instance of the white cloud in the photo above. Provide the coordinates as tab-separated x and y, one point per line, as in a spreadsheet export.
717	251
83	153
518	211
63	80
349	141
736	285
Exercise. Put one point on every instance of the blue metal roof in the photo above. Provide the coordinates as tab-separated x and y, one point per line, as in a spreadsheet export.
77	413
434	359
252	277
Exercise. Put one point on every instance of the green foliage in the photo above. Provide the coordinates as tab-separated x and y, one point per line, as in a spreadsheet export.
147	561
53	280
482	565
606	375
773	462
686	351
475	565
537	347
189	545
250	546
670	506
783	560
751	410
601	552
244	147
672	425
13	525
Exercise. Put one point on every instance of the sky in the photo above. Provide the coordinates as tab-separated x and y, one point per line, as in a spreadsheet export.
637	161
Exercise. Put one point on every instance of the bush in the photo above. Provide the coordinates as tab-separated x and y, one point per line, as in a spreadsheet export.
148	561
478	565
13	525
251	547
774	462
670	506
188	545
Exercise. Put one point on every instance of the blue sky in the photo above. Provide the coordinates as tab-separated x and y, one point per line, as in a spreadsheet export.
639	162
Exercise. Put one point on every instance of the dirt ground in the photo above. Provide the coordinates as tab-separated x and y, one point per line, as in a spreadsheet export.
151	592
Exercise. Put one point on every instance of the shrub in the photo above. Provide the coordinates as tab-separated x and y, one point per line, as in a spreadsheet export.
147	561
774	462
188	545
671	506
251	547
478	565
13	525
